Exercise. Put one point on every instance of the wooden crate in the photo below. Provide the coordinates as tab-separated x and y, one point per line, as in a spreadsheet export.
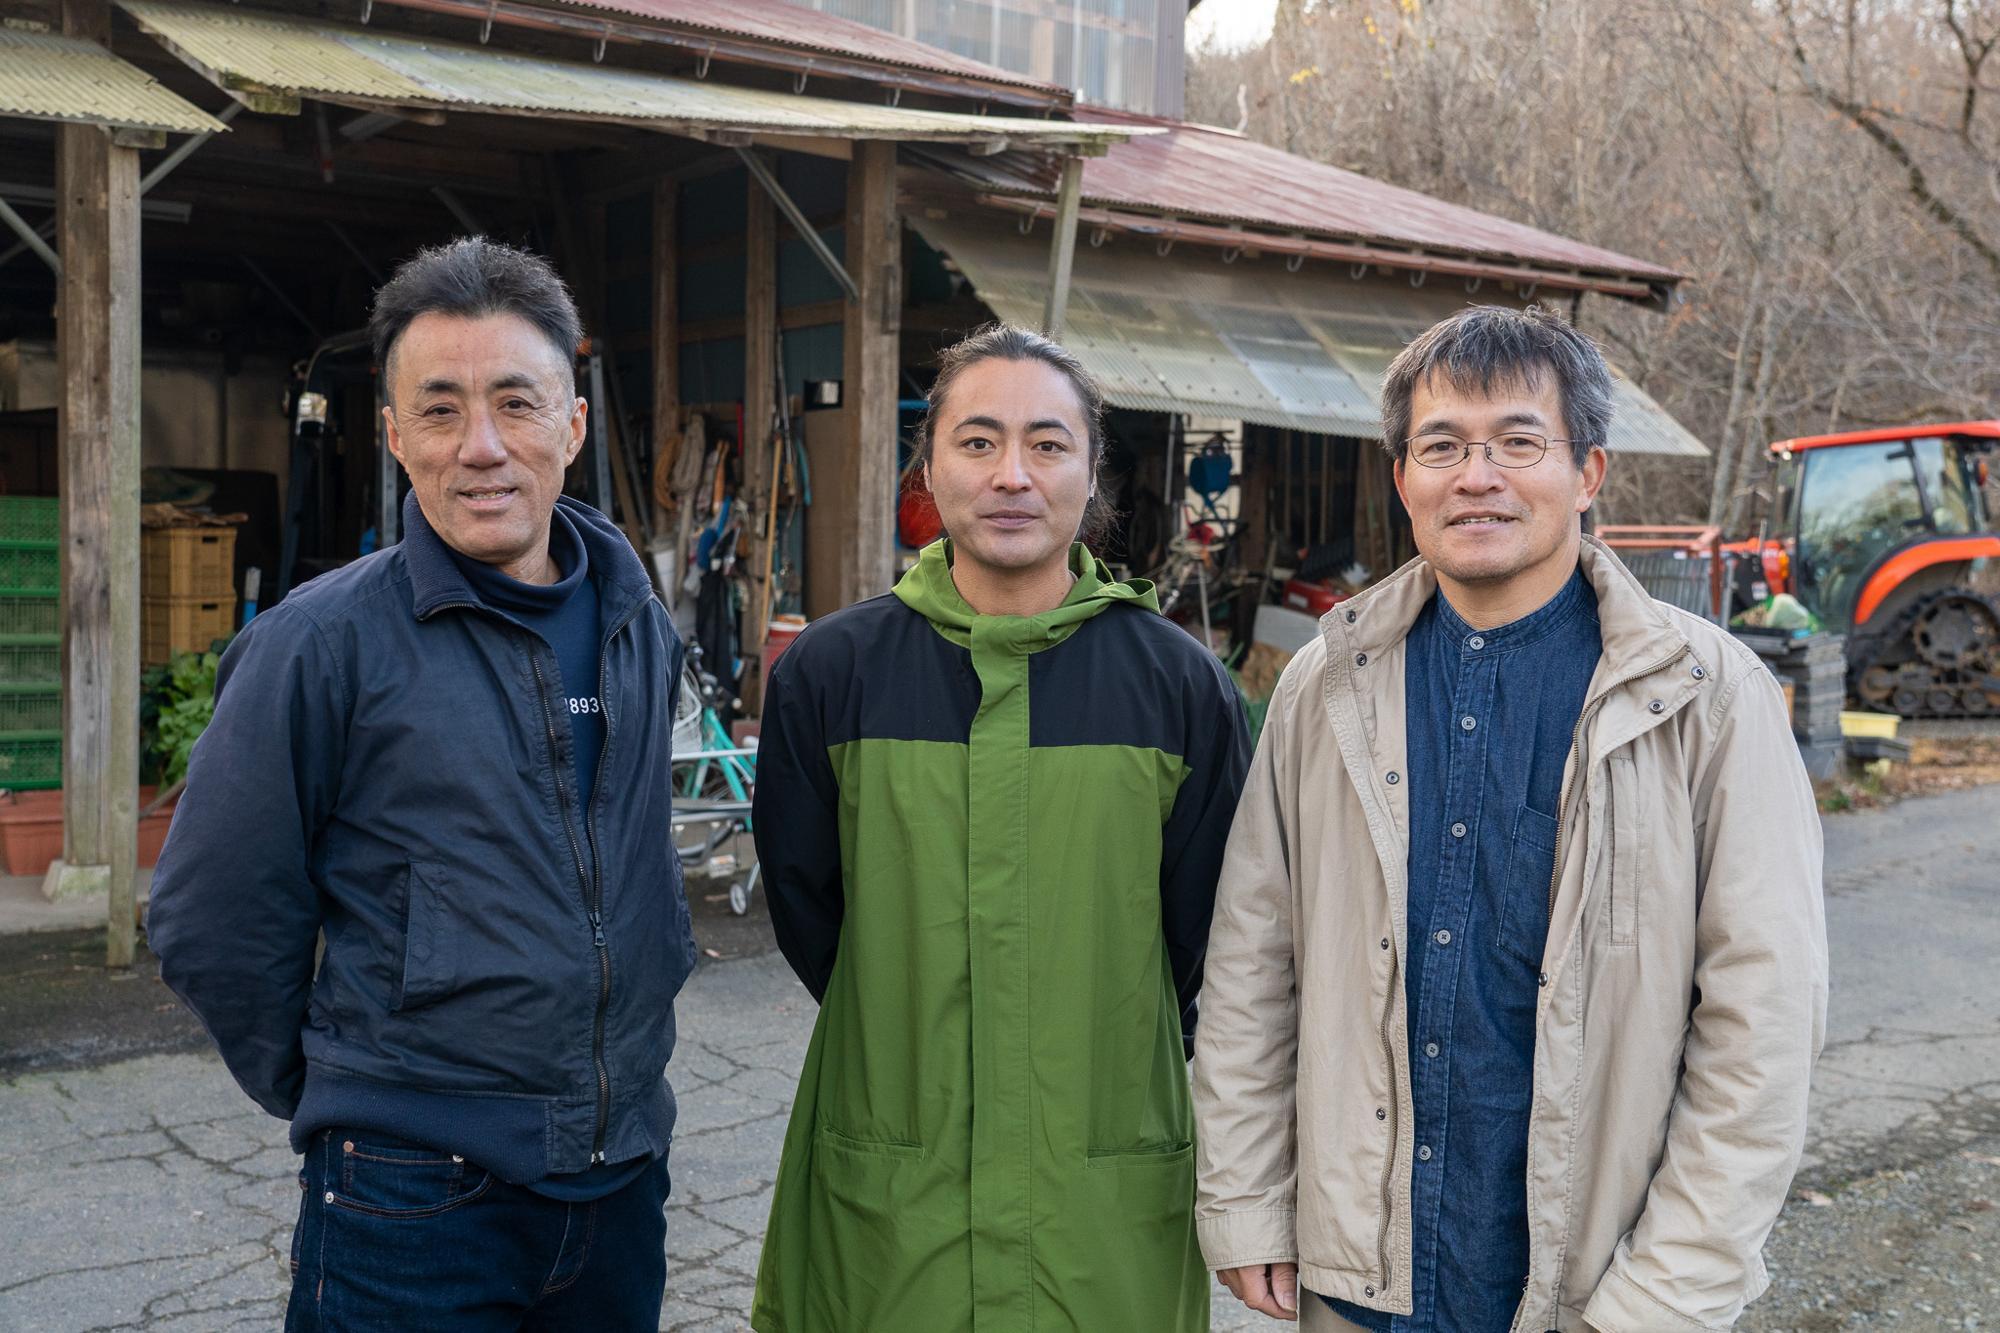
169	625
188	562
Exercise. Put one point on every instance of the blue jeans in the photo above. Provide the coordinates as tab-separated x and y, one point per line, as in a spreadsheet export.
396	1236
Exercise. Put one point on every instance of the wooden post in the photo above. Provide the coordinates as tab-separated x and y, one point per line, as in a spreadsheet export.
97	348
666	323
760	403
870	370
1062	247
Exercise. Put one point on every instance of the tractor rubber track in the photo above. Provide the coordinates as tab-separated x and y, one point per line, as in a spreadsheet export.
1941	659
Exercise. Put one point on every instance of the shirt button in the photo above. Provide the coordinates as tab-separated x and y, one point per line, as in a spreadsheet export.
1475	643
1361	659
1381	1114
1431	1049
1368	1291
1458	830
1541	978
1350	617
1700	673
1393	777
1468	722
1424	1153
1442	937
1656	706
1385	941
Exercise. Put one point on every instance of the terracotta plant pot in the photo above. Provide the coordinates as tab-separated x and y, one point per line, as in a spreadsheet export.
31	830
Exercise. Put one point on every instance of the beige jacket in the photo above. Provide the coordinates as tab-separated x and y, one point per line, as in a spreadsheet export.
1683	992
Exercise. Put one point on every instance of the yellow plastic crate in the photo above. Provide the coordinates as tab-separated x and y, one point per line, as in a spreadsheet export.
188	562
170	625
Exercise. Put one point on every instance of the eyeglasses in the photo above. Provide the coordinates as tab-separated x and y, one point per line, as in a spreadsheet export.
1514	449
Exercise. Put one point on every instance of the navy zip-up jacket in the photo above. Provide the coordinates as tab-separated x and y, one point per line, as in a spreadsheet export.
390	765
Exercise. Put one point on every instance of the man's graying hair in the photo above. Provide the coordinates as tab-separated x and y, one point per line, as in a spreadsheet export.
1010	342
1485	346
471	278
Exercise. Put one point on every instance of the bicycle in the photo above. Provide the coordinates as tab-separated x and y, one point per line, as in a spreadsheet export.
714	781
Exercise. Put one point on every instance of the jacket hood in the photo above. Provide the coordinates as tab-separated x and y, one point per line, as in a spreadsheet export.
928	590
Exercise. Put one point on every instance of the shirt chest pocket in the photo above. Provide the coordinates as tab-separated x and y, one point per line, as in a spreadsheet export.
1524	888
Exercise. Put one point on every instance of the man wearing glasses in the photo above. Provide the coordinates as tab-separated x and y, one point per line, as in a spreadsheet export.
1518	966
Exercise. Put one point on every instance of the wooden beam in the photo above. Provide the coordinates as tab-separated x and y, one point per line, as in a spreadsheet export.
97	349
666	346
760	407
870	370
1062	247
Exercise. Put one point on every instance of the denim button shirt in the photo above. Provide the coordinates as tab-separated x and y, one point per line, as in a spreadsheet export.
1491	718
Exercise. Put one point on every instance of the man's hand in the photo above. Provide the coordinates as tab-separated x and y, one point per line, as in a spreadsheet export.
1269	1289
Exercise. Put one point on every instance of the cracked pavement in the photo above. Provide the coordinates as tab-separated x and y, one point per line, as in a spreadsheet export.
149	1193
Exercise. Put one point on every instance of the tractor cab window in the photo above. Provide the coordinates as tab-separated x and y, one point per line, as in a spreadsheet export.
1946	472
1857	503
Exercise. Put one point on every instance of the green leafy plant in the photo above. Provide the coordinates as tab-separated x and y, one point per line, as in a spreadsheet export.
176	702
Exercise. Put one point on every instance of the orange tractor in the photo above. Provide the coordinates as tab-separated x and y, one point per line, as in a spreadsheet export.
1885	536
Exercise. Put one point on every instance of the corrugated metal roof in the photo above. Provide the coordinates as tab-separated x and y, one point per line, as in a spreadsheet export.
48	76
1197	171
253	53
1189	333
811	30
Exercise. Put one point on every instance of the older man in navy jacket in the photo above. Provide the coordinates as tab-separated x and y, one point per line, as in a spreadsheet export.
450	762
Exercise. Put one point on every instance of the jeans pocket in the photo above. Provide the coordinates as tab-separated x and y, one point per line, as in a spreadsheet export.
1525	887
389	1178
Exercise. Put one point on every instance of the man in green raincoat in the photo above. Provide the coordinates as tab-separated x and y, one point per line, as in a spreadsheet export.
990	810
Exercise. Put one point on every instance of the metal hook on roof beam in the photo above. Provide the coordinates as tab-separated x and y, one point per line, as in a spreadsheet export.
1417	277
1295	263
701	65
1026	223
367	10
799	80
896	95
1098	236
1529	295
486	26
1232	254
1473	284
1164	248
603	39
1357	271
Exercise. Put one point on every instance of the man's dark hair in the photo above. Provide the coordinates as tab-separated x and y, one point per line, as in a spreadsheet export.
1010	342
470	278
1488	345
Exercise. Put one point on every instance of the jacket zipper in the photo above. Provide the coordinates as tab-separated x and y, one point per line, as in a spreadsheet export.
590	906
596	905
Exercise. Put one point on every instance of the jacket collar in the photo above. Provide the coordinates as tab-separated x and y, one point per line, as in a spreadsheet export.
1637	632
927	588
436	582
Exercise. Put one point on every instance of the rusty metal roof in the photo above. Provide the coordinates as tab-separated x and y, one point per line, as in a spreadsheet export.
271	61
1197	171
810	30
47	76
1189	333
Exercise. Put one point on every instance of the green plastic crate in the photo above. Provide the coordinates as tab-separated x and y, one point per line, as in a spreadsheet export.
30	518
36	615
31	760
30	567
30	708
35	660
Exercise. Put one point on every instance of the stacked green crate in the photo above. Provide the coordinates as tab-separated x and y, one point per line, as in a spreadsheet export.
30	643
